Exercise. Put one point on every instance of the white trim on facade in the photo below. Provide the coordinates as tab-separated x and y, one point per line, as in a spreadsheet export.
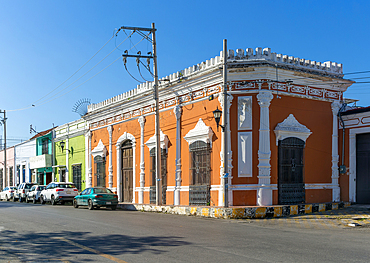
290	127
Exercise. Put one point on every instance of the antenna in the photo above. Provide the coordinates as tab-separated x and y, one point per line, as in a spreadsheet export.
80	106
32	129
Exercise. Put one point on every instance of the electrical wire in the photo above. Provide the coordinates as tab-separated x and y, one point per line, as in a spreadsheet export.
81	83
51	98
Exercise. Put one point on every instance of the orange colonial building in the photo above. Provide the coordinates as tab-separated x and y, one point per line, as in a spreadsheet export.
283	134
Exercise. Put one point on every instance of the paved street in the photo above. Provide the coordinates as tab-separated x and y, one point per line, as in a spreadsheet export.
45	233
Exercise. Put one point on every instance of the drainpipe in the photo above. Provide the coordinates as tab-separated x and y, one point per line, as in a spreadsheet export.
342	167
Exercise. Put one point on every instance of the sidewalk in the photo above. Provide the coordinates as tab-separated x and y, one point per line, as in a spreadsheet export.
237	212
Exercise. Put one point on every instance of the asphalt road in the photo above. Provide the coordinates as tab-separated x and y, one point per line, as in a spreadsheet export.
45	233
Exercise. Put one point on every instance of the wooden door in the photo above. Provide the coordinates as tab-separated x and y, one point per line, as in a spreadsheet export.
127	171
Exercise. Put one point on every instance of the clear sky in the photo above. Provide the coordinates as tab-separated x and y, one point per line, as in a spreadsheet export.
44	44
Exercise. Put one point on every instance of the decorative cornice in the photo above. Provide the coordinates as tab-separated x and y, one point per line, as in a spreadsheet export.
264	98
201	132
151	143
177	111
141	121
100	149
290	127
125	136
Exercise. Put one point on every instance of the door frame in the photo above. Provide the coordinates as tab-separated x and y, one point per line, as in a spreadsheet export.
121	139
352	160
124	186
303	168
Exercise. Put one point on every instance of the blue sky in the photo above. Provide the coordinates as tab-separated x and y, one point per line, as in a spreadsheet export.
43	43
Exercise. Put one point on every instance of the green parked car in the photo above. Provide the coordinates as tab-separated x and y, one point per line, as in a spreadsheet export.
96	197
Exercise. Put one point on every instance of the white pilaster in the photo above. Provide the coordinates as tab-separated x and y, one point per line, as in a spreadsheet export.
334	155
89	164
177	110
66	179
264	192
142	163
229	153
110	168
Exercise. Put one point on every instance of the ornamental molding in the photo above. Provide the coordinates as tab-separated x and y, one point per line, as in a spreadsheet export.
124	137
151	143
99	150
290	127
201	132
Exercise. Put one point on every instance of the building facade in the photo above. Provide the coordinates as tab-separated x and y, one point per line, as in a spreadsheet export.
355	155
69	153
41	164
23	152
7	176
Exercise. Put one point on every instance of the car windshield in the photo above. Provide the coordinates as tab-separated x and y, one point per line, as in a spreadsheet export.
28	186
65	186
102	191
41	188
13	188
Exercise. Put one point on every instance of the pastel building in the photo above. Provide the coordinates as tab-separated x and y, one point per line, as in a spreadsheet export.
7	176
283	134
23	152
69	153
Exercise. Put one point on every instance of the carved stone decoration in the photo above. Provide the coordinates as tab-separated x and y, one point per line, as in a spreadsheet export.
201	132
151	143
335	106
177	111
264	192
141	121
290	127
245	113
110	168
100	149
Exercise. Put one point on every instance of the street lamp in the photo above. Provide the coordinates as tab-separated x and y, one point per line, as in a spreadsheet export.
217	115
62	144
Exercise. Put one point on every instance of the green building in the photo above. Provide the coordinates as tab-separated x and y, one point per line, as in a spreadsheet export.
41	164
69	153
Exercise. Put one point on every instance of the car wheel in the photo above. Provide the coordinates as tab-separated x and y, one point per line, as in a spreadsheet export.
53	202
27	200
34	200
7	198
42	201
75	205
91	206
114	207
14	199
20	200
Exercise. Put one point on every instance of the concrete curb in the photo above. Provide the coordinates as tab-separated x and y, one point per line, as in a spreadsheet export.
251	212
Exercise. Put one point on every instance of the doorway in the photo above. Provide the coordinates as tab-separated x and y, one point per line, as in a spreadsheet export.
127	171
291	187
363	168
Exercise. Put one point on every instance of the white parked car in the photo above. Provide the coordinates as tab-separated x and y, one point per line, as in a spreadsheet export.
34	194
8	193
58	192
22	191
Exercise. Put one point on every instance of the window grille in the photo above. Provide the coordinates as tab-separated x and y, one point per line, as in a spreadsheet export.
99	171
152	193
200	173
76	170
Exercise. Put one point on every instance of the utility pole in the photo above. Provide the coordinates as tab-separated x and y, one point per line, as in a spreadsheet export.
5	174
158	178
224	124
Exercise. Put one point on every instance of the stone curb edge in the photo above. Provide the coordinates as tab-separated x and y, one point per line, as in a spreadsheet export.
238	212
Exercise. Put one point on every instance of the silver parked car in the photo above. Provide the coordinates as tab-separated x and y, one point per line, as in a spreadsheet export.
22	191
34	193
8	193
